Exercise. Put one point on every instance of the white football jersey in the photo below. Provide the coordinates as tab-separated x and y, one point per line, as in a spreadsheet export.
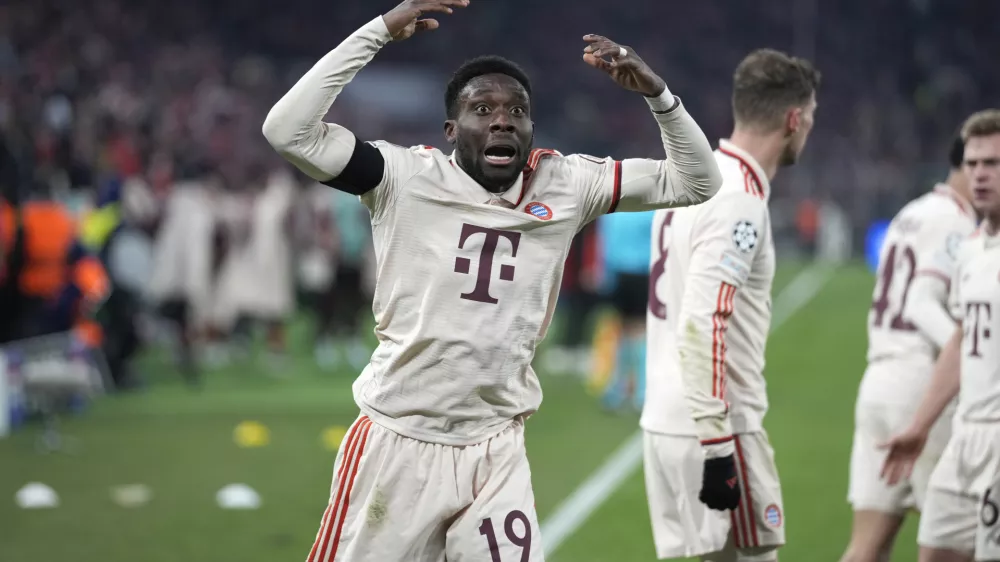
975	298
467	280
710	308
923	239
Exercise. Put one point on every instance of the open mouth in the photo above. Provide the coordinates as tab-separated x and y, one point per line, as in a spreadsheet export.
500	154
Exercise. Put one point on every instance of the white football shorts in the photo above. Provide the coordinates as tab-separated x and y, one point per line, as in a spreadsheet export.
968	467
877	418
988	530
396	498
683	526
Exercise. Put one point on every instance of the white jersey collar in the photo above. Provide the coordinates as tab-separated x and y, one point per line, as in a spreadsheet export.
757	173
963	204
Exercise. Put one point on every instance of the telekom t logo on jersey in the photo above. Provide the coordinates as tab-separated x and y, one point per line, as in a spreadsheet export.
980	313
484	275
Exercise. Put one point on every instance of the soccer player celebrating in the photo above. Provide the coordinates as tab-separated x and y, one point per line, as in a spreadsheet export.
470	248
968	367
908	325
708	320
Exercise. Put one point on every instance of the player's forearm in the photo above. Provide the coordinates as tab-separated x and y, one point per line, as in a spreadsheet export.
944	384
927	309
687	176
294	126
703	372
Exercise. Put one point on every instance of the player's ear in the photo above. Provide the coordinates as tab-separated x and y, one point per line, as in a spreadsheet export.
793	120
450	129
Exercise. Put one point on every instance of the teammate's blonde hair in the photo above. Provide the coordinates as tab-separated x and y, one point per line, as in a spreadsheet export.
982	124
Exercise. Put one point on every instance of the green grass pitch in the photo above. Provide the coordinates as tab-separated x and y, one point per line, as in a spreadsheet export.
180	444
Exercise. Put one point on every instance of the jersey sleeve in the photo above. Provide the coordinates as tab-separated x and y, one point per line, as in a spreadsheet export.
687	175
938	253
401	164
294	127
726	239
955	293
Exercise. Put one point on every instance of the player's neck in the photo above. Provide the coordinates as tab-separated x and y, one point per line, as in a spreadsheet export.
766	149
991	223
494	189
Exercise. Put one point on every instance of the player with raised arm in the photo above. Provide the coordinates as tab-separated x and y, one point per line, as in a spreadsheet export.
707	325
968	367
470	248
908	324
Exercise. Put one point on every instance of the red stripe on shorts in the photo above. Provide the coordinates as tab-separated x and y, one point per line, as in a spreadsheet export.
327	530
350	486
735	529
747	503
349	441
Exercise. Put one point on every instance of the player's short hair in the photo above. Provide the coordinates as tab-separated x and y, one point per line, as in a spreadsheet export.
982	124
481	66
957	153
767	83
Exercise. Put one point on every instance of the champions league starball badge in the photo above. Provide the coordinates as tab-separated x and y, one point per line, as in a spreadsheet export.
745	236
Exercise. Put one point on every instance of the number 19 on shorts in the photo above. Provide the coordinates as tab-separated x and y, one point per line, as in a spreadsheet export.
521	539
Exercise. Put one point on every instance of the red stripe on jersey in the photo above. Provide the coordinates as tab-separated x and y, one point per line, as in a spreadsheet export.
746	167
534	158
750	183
717	441
323	542
616	195
723	310
347	497
747	502
730	307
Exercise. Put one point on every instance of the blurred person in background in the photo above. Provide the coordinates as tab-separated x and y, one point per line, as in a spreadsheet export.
51	282
315	241
968	367
711	477
184	261
350	299
116	231
909	323
625	248
578	299
257	279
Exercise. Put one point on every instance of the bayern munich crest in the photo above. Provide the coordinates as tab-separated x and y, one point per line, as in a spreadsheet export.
745	236
772	515
538	210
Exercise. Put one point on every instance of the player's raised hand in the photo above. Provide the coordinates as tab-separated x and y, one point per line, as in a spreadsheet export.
623	65
902	453
404	20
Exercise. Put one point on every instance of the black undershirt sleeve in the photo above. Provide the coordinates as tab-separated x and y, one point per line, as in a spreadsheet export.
364	171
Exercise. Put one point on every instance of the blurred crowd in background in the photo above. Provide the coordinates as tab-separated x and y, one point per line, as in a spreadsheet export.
141	121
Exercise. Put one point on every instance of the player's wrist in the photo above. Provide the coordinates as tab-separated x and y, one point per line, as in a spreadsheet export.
663	102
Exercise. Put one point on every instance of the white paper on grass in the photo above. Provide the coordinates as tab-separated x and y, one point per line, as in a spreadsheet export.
131	495
36	495
238	496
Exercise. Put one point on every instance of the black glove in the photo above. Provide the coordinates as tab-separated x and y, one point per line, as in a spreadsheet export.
720	488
